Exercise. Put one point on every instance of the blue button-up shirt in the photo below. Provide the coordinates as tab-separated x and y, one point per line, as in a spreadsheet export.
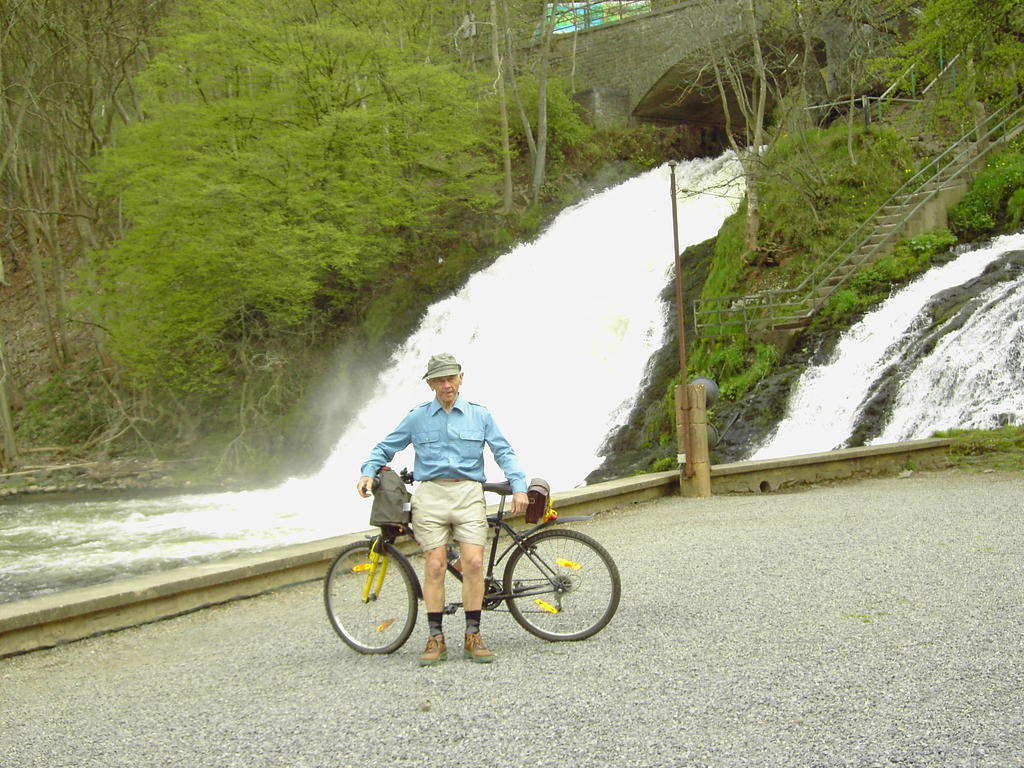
449	444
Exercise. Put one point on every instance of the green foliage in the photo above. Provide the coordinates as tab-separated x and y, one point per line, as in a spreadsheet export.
727	266
990	33
1001	448
642	146
764	359
814	196
872	284
736	367
995	199
567	132
663	464
289	158
68	410
1015	207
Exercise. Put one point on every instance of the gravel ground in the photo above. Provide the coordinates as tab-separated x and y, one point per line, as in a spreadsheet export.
874	623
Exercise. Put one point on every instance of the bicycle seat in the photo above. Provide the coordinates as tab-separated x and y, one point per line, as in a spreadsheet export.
504	488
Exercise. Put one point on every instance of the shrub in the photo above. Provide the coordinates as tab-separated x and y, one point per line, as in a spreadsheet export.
995	199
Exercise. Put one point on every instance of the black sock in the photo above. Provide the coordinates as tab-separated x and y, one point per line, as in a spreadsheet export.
434	622
472	622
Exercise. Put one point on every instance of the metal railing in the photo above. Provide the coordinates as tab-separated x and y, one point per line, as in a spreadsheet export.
793	307
586	14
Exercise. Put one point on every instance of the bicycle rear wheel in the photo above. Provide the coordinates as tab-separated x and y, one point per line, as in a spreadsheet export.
568	585
371	614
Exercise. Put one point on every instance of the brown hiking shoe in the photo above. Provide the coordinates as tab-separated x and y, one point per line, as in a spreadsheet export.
435	652
475	650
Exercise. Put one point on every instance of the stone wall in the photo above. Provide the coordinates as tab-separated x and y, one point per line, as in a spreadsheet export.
613	66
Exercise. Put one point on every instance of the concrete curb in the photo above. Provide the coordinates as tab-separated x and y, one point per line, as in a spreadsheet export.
774	474
49	620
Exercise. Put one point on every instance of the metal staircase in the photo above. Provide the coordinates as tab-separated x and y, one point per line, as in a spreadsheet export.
793	308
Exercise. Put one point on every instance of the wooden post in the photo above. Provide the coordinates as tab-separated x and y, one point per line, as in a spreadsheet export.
701	480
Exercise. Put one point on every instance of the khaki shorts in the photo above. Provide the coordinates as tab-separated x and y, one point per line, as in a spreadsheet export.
444	509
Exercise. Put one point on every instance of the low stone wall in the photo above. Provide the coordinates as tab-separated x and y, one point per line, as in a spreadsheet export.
49	620
769	475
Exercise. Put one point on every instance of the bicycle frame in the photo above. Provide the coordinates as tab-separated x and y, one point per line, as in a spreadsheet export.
377	568
498	524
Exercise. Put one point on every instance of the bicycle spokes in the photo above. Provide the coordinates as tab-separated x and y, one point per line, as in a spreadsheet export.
563	585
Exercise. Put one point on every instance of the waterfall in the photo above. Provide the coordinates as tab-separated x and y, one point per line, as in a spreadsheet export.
972	378
554	338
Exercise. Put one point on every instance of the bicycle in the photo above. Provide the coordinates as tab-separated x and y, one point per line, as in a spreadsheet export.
558	584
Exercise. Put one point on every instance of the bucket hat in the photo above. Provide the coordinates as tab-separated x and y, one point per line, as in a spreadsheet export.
443	364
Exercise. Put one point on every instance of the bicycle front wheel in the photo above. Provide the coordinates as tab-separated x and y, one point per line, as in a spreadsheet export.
564	585
371	610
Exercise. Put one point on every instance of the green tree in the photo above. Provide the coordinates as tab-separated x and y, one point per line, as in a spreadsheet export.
290	155
986	37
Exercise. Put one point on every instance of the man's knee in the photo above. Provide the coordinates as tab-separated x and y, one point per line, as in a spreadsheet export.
435	564
472	559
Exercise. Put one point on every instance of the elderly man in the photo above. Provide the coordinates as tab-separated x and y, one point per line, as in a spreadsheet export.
448	434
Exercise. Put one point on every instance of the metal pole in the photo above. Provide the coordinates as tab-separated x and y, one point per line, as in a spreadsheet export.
682	397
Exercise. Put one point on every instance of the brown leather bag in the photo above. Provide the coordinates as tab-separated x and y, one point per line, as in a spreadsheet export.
539	494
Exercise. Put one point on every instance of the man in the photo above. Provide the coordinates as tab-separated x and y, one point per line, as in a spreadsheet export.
448	434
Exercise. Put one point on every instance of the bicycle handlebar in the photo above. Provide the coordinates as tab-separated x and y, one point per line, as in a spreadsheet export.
503	488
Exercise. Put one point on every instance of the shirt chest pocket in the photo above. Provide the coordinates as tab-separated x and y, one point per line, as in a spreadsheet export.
471	443
427	444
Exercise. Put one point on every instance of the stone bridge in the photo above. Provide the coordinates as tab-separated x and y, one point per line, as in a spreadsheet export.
639	69
633	69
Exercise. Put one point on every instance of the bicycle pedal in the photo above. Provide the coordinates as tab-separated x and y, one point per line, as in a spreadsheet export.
546	606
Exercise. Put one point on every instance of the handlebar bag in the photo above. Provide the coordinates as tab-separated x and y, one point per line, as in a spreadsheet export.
392	501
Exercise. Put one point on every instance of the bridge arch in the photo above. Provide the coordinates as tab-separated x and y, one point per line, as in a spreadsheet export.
634	69
631	69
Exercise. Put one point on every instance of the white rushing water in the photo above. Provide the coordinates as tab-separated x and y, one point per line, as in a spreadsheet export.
554	337
972	378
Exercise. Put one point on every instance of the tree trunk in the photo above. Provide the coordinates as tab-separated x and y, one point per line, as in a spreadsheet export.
51	229
760	100
542	106
38	272
506	153
8	446
849	122
531	145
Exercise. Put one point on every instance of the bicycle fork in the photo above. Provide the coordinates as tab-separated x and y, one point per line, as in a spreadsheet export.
377	567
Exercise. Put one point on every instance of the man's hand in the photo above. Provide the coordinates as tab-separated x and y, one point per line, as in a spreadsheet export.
520	501
365	484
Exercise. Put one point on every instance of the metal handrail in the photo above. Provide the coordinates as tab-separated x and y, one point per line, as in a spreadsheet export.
937	171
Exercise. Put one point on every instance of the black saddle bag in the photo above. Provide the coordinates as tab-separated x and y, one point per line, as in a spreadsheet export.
392	501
